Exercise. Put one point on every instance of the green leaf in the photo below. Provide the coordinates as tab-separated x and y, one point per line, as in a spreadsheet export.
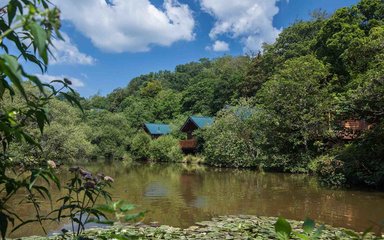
352	234
13	70
43	192
105	208
41	119
23	223
301	236
131	217
367	231
309	225
38	83
30	140
39	40
283	228
11	10
89	195
3	224
72	100
318	232
127	207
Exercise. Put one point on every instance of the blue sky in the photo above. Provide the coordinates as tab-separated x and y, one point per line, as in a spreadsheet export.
108	45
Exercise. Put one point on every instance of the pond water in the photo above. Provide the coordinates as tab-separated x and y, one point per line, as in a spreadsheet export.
180	195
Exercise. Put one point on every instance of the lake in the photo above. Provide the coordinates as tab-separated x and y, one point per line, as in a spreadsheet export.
180	195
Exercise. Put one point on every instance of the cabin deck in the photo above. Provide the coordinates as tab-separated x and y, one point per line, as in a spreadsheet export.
188	145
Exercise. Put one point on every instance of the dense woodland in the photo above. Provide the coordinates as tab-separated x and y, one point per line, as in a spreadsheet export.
278	110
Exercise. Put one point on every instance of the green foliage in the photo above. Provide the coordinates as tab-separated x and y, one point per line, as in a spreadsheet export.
66	139
167	105
317	73
363	159
138	110
231	140
139	146
27	27
25	182
283	229
78	204
165	149
120	210
151	89
297	100
330	170
109	134
309	231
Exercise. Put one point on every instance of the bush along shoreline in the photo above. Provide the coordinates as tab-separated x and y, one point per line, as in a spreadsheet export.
224	227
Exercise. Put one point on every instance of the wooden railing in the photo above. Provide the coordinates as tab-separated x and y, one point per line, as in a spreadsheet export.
352	128
188	144
355	125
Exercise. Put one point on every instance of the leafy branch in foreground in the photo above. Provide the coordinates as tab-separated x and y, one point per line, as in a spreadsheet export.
26	27
84	191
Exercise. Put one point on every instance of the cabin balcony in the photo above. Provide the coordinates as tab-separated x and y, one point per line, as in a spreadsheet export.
351	129
189	144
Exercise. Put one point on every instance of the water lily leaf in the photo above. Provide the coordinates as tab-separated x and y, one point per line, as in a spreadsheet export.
309	225
283	229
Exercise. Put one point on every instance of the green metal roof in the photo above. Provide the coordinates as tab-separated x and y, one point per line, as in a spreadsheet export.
202	122
157	129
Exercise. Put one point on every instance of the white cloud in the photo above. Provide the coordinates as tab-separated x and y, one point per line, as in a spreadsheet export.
65	52
76	83
219	46
129	25
249	20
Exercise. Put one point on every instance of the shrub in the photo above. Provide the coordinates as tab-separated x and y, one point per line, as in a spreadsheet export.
192	159
165	149
139	146
234	139
329	170
364	158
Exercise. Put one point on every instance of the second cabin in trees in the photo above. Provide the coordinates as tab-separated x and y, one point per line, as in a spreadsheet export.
193	123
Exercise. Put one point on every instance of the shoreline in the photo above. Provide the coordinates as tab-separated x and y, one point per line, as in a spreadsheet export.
222	227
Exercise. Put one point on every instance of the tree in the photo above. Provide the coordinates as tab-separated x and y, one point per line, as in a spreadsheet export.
256	75
66	138
110	134
151	89
230	141
297	98
27	26
138	111
167	105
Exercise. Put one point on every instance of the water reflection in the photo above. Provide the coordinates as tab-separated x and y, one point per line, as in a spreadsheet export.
181	195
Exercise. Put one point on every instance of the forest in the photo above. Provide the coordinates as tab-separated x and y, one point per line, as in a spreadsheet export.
310	103
277	110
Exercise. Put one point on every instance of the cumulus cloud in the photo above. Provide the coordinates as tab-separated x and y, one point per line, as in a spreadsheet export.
219	46
65	52
129	26
76	83
249	20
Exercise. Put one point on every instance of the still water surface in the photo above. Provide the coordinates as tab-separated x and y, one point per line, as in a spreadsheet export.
180	195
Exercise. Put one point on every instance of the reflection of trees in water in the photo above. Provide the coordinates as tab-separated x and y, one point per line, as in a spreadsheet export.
181	195
195	194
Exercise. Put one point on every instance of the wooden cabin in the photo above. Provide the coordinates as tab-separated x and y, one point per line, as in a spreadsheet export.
193	123
351	128
156	130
